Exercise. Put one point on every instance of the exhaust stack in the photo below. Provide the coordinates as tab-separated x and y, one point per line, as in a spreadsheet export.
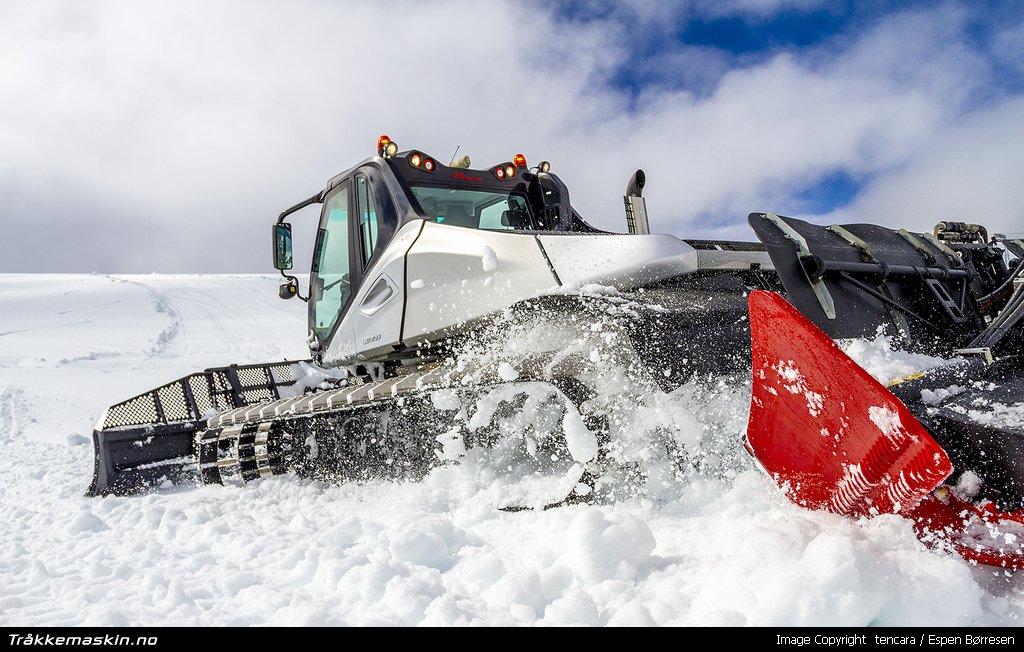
636	206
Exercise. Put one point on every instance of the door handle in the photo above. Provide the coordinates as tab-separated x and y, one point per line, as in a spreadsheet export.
382	291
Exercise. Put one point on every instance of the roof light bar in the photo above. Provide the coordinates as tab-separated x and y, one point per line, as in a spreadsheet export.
421	161
504	170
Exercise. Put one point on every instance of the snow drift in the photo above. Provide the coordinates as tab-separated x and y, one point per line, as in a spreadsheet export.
709	541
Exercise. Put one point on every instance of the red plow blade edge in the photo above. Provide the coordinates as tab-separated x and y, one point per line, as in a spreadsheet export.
831	435
834	438
980	534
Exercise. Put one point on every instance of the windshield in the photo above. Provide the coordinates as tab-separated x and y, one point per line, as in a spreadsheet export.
477	209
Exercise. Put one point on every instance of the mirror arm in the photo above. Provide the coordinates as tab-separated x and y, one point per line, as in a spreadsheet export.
315	199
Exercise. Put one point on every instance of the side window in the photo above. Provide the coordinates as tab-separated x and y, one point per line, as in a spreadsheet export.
509	214
490	217
368	226
331	285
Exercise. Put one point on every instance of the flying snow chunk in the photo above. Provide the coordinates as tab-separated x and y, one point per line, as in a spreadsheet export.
416	284
453	447
445	399
969	485
581	442
507	372
489	260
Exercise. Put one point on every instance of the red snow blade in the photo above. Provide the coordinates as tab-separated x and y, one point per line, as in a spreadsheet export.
980	534
831	435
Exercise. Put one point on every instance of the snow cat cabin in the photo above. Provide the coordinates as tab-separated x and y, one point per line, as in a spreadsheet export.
405	246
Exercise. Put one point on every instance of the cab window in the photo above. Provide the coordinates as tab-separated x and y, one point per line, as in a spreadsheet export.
369	225
477	209
510	213
331	281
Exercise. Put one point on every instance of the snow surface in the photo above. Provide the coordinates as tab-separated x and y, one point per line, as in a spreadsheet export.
709	541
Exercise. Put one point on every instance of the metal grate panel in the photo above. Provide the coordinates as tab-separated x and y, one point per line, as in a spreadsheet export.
136	411
253	376
281	374
200	387
173	402
196	397
219	381
257	395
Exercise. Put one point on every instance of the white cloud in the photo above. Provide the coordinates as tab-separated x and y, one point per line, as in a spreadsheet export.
167	136
971	173
203	120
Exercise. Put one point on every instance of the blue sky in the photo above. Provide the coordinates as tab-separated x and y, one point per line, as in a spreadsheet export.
165	136
744	38
739	35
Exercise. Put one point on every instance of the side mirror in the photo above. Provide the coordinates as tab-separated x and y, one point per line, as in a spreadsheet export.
282	246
